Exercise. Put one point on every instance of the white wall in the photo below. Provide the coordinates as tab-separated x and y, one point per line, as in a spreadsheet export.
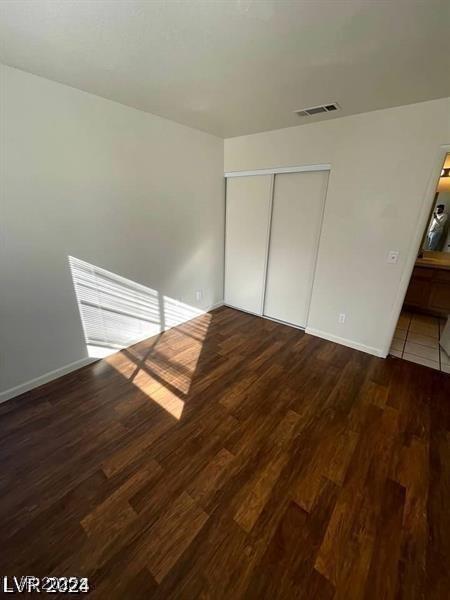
382	163
133	193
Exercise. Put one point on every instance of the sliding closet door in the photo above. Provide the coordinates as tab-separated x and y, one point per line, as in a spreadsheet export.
296	220
246	240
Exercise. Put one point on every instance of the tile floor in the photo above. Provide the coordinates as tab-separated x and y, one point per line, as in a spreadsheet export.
416	339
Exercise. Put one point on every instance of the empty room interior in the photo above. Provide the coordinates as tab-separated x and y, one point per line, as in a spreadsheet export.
225	299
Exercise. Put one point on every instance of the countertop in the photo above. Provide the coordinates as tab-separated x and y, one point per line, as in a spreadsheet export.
434	260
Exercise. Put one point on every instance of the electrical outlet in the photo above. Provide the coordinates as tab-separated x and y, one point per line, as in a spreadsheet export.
198	295
341	318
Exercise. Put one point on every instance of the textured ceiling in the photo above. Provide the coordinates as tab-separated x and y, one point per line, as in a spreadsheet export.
236	66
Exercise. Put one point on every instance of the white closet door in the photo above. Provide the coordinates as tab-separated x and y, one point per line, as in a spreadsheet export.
296	220
247	233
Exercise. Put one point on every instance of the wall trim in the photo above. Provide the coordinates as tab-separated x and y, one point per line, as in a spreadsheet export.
214	306
45	378
69	368
346	342
275	170
322	334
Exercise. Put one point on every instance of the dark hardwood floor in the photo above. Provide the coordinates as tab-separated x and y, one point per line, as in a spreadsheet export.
232	457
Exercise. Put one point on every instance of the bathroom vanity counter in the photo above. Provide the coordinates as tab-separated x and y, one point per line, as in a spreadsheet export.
434	260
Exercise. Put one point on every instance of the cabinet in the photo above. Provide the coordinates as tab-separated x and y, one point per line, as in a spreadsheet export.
429	291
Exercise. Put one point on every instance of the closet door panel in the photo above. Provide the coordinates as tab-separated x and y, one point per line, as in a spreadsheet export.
296	221
246	240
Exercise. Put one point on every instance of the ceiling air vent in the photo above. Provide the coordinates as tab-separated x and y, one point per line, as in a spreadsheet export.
316	110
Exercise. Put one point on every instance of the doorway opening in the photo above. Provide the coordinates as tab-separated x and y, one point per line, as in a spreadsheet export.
422	334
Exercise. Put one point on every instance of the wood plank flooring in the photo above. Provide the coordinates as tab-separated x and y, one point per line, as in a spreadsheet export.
232	457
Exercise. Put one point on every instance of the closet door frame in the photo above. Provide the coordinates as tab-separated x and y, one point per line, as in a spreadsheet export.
274	172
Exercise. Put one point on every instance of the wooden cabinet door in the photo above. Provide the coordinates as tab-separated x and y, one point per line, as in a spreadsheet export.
418	293
440	296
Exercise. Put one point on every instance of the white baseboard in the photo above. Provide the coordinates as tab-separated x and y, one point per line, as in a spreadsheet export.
345	342
45	378
64	370
326	336
213	306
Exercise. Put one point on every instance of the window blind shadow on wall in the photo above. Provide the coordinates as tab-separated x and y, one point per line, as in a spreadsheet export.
117	312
